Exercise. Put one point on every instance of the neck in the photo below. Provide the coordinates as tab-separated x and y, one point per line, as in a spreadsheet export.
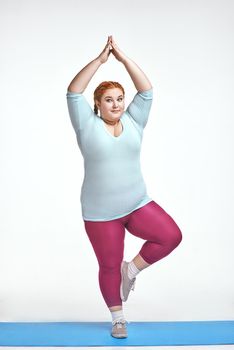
110	122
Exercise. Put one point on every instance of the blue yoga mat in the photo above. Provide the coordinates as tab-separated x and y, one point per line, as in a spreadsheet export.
98	333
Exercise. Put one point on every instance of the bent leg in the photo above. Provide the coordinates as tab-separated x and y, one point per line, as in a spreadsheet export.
107	239
152	223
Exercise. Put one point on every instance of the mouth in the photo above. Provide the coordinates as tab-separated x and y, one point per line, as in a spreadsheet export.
115	111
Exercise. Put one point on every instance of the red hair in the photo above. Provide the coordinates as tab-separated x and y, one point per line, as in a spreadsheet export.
101	89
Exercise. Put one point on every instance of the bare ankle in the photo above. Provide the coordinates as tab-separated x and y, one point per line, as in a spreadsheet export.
115	308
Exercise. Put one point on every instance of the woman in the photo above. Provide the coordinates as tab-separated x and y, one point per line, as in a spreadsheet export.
113	194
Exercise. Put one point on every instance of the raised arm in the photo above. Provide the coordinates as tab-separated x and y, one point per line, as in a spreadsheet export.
138	77
81	80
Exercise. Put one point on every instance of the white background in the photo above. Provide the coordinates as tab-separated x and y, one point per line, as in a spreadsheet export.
48	270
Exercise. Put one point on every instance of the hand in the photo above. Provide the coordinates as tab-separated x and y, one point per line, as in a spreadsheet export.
103	57
119	55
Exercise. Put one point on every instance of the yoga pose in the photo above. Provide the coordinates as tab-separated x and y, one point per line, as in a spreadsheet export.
113	194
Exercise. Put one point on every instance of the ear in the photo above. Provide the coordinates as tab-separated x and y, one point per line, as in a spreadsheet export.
97	104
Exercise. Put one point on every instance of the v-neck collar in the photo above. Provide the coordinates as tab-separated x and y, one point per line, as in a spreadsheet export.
105	128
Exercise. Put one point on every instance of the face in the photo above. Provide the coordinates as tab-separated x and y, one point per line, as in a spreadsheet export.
111	105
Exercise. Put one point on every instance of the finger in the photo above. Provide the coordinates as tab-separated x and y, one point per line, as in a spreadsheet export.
114	44
109	38
107	48
108	43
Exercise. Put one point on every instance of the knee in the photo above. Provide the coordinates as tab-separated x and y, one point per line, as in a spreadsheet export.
175	237
178	236
111	266
172	238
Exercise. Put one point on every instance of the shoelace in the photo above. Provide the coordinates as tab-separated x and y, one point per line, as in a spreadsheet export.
119	323
133	283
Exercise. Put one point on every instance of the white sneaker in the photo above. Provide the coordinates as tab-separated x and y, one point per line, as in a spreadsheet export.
119	329
127	284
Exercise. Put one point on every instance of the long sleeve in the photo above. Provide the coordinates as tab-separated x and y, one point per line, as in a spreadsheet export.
79	110
140	107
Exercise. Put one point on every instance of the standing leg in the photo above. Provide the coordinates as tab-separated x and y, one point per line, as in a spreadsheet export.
107	239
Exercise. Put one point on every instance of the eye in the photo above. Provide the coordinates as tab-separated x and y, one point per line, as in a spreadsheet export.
108	99
120	99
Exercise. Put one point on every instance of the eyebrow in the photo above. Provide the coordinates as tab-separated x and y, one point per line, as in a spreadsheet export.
111	96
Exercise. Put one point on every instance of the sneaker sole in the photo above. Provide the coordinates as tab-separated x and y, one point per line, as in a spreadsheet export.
119	336
121	285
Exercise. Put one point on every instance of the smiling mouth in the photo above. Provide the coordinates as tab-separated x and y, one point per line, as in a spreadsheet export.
116	111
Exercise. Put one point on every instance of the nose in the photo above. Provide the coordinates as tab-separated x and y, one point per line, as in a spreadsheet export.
115	104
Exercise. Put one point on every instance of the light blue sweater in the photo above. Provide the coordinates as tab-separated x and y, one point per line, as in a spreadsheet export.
113	185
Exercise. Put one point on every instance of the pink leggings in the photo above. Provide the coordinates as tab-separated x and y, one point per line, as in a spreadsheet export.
150	223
